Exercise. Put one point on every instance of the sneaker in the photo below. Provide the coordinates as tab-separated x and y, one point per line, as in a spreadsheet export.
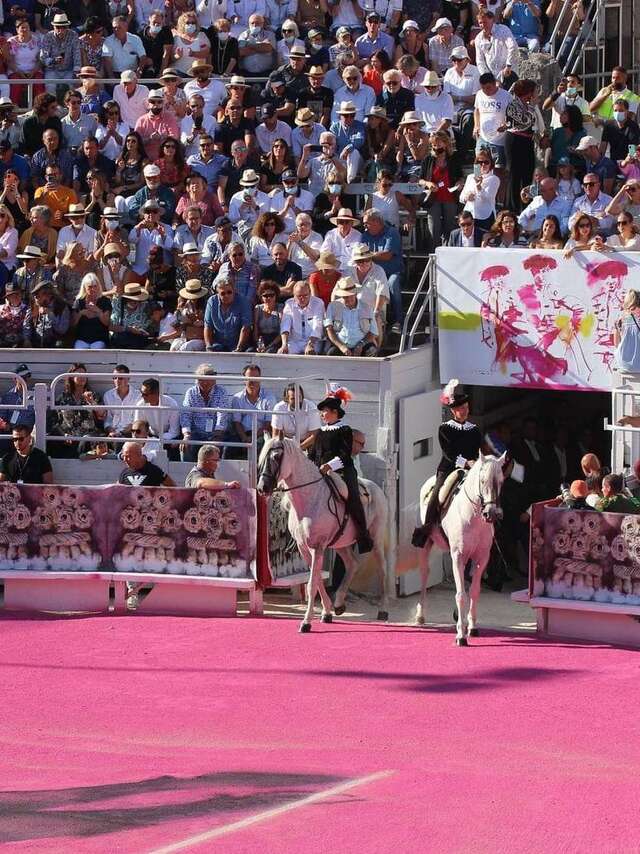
396	329
132	601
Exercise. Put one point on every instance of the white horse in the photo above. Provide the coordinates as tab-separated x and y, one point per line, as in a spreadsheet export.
468	528
316	519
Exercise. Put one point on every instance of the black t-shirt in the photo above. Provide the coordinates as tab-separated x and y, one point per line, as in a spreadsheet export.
228	133
222	52
281	277
234	173
315	99
620	139
155	45
148	475
29	469
90	329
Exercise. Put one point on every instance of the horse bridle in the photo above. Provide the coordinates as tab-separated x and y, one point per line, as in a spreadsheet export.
481	503
273	478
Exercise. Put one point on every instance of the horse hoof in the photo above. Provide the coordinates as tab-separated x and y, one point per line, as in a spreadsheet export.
383	615
339	609
474	633
326	618
420	621
305	628
461	642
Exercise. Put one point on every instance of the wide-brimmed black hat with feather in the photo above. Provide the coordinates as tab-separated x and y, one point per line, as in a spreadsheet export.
453	394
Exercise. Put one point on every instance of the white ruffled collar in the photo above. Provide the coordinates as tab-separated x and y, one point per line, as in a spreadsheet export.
458	426
335	426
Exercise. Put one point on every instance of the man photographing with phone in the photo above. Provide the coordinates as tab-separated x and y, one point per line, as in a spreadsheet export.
316	167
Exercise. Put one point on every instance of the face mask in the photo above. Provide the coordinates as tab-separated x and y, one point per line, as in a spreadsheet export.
290	39
254	31
250	191
291	191
334	188
112	224
222	37
619	117
190	29
316	47
572	91
154	29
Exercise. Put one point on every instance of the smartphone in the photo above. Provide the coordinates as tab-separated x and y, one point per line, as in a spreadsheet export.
535	189
316	149
477	171
632	149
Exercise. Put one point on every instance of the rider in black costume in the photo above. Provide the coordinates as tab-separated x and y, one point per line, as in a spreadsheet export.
332	451
460	441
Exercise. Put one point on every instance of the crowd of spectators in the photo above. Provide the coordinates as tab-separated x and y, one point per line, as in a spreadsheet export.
209	200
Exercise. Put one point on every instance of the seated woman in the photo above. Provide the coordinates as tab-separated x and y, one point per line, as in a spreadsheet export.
504	233
131	322
388	201
379	146
15	200
627	238
40	234
191	267
173	168
269	229
274	164
98	198
378	63
413	146
8	245
12	316
549	236
129	165
266	318
74	424
324	279
91	315
111	132
583	235
73	268
198	193
189	320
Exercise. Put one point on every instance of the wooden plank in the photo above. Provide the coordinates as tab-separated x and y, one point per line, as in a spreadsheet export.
574	605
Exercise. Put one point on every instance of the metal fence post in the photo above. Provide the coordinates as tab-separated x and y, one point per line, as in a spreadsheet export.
40	400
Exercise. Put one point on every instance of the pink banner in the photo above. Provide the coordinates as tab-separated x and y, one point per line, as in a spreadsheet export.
128	529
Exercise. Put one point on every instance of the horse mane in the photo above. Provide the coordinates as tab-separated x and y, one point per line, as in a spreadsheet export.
291	447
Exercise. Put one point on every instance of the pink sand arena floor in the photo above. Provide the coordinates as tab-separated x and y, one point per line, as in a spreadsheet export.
143	734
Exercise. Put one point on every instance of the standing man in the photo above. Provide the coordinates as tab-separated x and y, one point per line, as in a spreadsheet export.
156	125
253	398
203	474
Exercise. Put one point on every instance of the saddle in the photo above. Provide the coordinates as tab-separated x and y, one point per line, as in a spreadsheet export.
340	487
447	493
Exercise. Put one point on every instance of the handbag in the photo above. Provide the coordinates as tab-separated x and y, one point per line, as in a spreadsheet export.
627	354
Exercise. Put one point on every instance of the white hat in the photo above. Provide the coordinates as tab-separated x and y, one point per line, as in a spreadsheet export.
190	249
151	170
409	25
61	20
6	102
249	178
344	215
347	108
155	95
459	52
128	76
236	80
440	24
431	79
361	252
411	118
110	213
30	253
76	210
586	142
345	287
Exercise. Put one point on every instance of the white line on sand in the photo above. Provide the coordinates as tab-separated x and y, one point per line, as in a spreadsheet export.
226	829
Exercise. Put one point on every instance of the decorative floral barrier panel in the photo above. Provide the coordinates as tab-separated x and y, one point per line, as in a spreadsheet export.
128	529
585	555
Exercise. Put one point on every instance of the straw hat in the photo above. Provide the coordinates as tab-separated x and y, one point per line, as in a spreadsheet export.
347	108
30	253
112	249
76	211
361	252
61	20
345	287
193	290
411	118
431	79
250	178
200	65
315	71
87	71
305	117
155	95
298	51
327	261
170	74
344	215
378	113
190	249
236	80
134	291
110	213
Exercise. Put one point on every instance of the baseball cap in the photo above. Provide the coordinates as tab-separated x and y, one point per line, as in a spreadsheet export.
221	221
151	171
288	175
128	77
268	111
23	370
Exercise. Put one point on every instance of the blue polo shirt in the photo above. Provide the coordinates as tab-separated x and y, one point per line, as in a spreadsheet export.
210	170
368	46
226	325
388	240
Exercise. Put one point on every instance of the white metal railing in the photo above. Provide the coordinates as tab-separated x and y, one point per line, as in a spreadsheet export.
45	401
423	298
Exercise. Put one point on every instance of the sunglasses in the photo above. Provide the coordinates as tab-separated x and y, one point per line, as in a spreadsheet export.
483	162
224	293
137	432
589	183
623	222
393	83
584	225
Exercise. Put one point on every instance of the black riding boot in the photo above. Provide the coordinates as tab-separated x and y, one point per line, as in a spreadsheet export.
421	533
356	511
